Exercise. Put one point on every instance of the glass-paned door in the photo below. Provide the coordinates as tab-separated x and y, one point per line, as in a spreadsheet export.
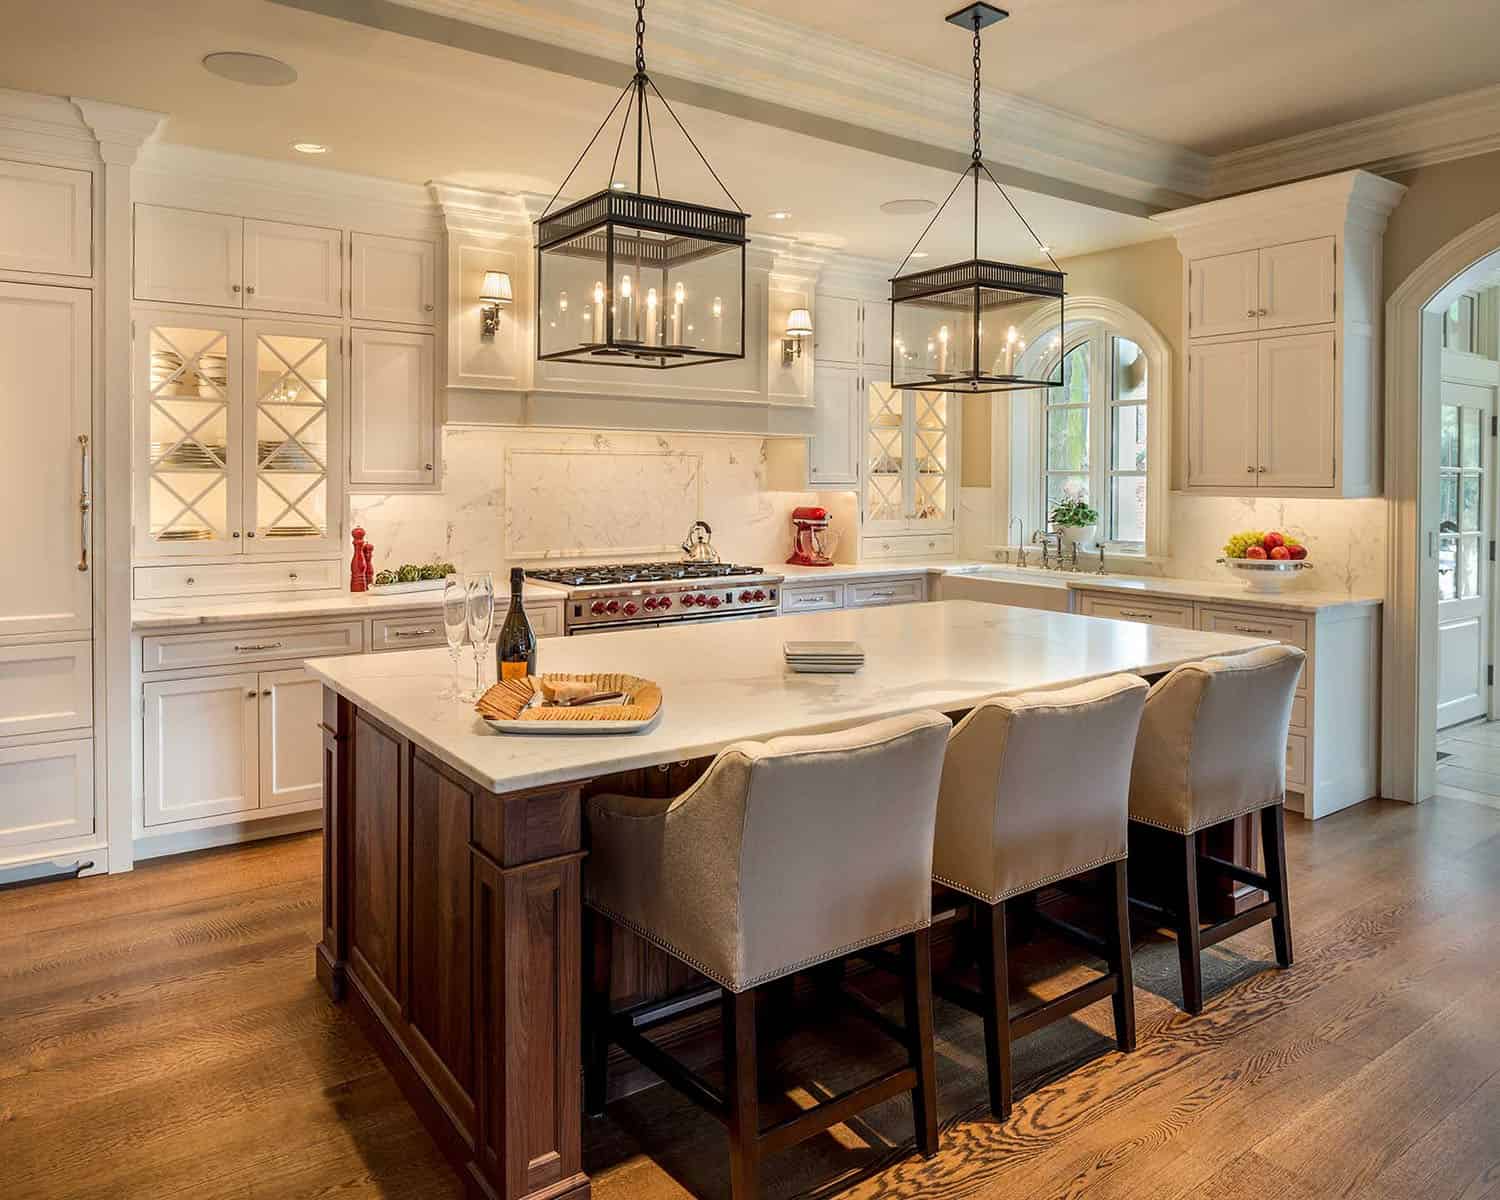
1463	568
908	458
885	461
187	388
930	458
291	456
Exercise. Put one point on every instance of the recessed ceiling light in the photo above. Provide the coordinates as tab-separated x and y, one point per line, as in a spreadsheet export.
907	208
619	185
258	70
779	215
1045	249
309	148
917	254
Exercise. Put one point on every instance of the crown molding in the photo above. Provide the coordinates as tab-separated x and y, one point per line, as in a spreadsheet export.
716	54
1402	140
120	130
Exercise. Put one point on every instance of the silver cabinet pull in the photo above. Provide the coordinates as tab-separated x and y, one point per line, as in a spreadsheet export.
249	646
1252	629
1140	616
881	596
413	633
85	501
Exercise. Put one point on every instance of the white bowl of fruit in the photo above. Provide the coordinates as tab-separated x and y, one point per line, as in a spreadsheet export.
1265	561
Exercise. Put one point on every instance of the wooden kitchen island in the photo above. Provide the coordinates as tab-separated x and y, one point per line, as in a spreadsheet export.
453	856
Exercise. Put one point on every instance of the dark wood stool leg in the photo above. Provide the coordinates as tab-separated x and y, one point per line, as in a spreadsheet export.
994	983
916	956
598	938
1189	941
1117	936
1273	839
742	1092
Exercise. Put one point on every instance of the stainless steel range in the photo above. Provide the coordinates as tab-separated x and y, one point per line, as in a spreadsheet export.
644	595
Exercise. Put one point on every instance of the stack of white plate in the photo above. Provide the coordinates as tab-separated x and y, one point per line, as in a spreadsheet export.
824	658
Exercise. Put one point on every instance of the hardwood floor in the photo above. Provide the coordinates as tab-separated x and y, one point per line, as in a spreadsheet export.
1469	762
161	1035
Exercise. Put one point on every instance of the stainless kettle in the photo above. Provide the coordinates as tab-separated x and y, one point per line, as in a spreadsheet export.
698	545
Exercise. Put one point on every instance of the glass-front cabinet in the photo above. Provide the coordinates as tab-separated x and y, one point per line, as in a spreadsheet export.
909	460
237	433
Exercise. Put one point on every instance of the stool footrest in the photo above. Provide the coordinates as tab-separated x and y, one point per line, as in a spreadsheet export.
1074	933
686	1081
1041	1015
1214	934
1236	872
829	1113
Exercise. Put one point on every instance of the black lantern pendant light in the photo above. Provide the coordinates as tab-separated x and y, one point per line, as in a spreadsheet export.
631	278
961	328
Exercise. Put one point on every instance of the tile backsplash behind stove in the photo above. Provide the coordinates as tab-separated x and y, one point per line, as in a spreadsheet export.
576	494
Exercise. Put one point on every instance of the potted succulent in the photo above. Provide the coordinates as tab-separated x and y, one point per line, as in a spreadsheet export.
1075	521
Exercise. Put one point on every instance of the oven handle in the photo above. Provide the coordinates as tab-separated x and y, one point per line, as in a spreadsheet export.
662	623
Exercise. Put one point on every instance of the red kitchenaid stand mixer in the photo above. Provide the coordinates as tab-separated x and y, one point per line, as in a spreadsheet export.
813	541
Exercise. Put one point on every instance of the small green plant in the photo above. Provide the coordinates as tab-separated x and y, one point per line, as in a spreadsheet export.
1074	514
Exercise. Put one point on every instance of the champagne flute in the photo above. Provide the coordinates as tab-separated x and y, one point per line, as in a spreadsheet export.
455	622
481	618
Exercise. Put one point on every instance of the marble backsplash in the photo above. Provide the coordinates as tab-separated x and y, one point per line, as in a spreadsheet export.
611	495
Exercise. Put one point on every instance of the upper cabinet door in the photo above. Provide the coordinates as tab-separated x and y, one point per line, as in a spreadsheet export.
1297	284
876	336
1224	294
392	427
836	330
46	219
1297	399
189	257
46	357
833	450
393	279
1222	415
294	268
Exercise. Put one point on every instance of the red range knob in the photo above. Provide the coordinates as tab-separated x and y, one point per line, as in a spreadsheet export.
630	608
713	602
613	606
597	608
759	595
650	603
746	597
664	603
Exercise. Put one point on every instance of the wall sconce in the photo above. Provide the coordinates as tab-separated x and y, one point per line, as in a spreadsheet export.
798	330
494	294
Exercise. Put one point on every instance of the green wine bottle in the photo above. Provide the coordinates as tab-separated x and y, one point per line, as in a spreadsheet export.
515	649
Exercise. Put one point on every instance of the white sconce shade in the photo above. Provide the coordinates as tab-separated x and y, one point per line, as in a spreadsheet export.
799	323
496	288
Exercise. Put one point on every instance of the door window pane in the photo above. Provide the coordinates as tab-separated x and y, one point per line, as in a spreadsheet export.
1468	567
1127	508
291	436
1448	436
187	418
1468	437
1447	568
1128	438
1075	388
1448	503
1469	502
1130	372
1066	487
1068	439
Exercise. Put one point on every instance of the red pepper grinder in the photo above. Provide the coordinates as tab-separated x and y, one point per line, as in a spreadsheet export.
359	570
369	564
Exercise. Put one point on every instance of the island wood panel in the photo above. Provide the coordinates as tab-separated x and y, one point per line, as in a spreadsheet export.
373	871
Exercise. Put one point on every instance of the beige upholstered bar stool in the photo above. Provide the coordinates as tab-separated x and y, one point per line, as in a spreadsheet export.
1212	748
1034	792
783	855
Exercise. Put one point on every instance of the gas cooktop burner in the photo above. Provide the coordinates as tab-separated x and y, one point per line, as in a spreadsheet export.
649	572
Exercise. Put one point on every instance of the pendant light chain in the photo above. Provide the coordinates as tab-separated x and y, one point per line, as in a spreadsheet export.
977	154
640	37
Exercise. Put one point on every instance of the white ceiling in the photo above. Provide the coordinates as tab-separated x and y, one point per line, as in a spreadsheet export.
1210	75
412	110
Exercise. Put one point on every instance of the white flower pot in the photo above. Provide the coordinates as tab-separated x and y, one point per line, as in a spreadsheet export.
1077	535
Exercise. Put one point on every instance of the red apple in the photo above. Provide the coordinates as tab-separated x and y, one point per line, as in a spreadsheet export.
1256	552
1280	553
1273	539
1298	553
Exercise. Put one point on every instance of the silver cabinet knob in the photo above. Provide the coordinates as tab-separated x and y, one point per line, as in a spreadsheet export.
190	581
235	288
1262	312
291	575
429	466
251	533
1260	470
1251	470
250	695
426	308
250	290
236	533
1250	313
267	692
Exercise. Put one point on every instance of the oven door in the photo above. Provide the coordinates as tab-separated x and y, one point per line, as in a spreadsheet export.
611	627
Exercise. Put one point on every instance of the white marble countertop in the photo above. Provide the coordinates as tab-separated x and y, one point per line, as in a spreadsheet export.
233	610
1230	592
842	572
726	681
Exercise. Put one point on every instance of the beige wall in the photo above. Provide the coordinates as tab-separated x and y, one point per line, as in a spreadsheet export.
1441	202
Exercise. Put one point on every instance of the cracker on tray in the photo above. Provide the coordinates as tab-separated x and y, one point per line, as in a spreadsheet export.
511	699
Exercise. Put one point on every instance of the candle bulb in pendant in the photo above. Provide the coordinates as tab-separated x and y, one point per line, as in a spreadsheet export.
598	313
943	351
678	295
1010	350
653	333
627	301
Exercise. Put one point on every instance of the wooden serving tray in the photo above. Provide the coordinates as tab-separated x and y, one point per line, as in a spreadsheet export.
512	705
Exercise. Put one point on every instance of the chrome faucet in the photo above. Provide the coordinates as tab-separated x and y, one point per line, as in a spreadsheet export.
1053	539
1020	541
1101	570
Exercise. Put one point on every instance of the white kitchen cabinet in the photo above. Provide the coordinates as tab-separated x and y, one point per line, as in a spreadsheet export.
875	335
393	279
291	742
871	591
836	328
1224	294
46	219
189	257
392	410
46	793
833	449
293	268
1296	439
1223	413
46	397
46	687
201	747
1283	294
910	453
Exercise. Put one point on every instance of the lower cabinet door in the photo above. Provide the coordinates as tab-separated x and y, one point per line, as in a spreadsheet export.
291	743
201	754
46	793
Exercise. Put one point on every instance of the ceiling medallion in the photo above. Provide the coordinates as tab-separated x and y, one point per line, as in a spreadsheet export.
631	278
961	327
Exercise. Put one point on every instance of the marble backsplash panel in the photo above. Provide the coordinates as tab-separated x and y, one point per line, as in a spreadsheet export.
608	493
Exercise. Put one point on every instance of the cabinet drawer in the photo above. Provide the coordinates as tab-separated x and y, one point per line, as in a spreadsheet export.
46	792
407	633
1281	626
546	619
1150	612
227	579
172	651
871	592
908	545
812	599
1296	760
1299	712
45	688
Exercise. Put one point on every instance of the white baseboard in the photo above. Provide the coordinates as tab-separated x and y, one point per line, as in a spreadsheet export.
230	834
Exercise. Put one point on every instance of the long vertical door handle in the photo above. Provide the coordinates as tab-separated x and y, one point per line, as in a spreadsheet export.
85	502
